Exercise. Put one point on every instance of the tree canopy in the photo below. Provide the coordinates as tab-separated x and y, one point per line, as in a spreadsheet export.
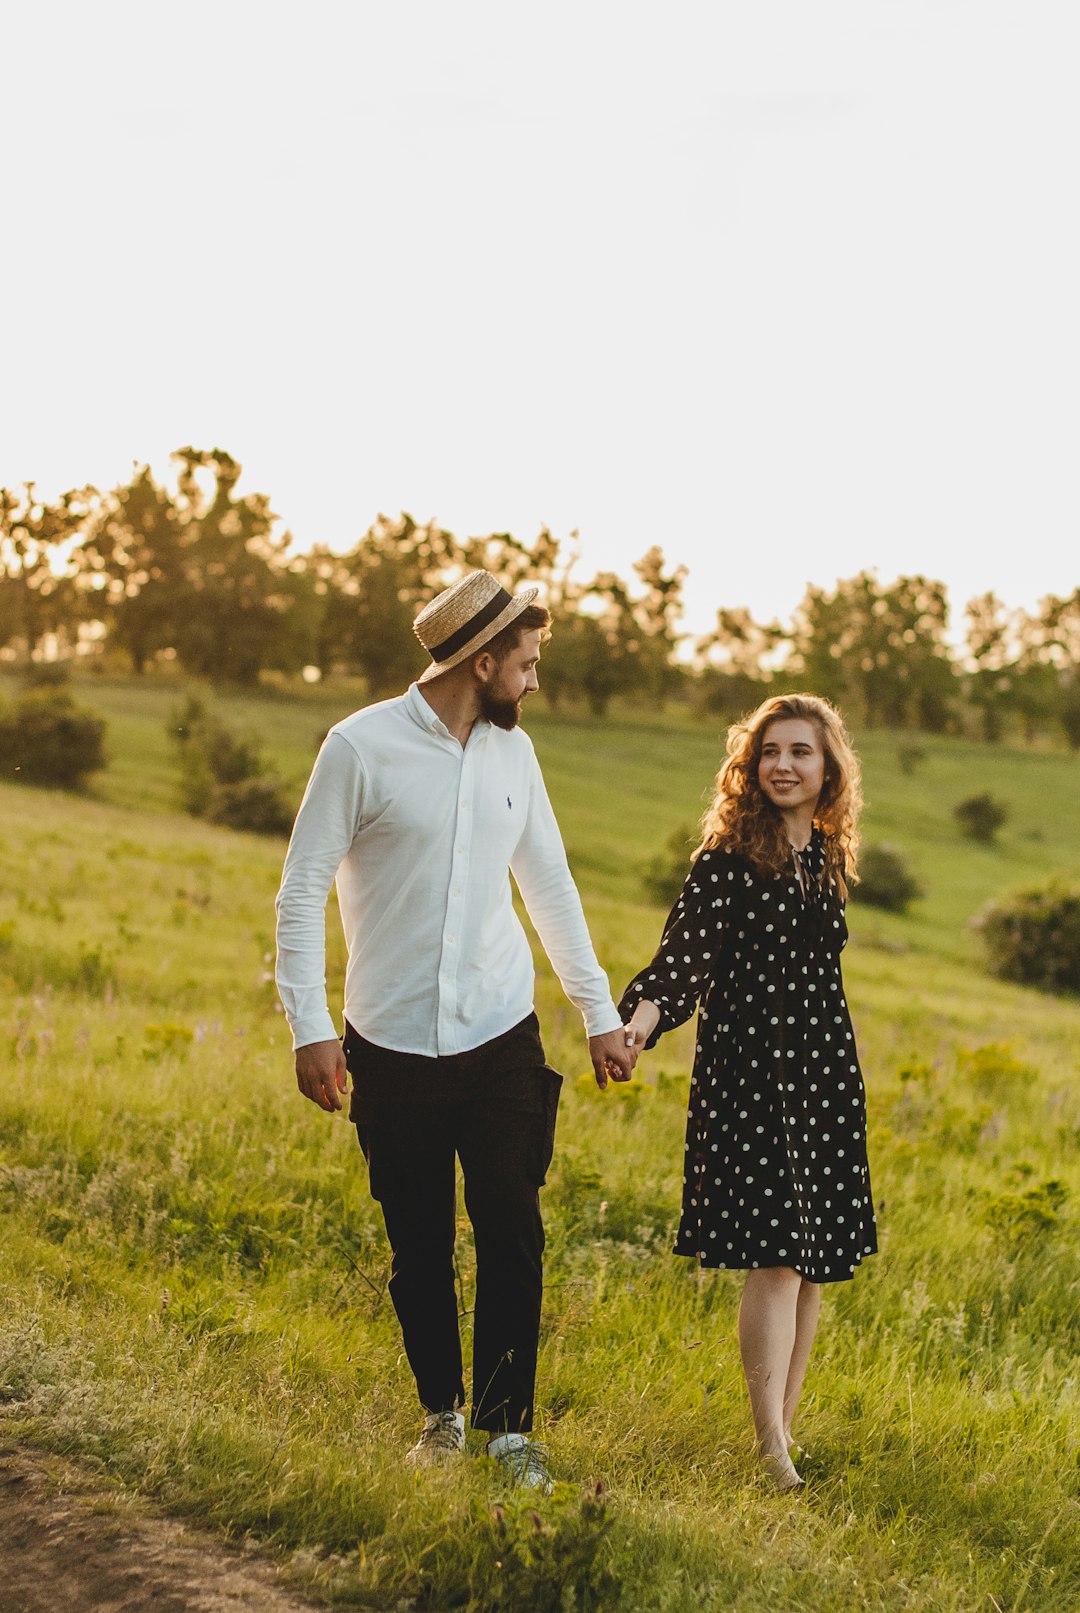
196	571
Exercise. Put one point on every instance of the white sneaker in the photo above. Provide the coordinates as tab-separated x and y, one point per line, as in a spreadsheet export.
443	1439
523	1460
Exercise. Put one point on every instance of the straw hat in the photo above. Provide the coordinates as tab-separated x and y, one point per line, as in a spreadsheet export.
464	618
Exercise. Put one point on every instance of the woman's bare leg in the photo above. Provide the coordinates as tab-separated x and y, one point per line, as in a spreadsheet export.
767	1336
807	1310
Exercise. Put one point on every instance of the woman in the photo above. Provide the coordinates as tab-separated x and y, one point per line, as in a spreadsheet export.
776	1179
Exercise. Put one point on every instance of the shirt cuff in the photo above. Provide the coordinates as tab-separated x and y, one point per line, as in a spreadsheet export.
314	1028
599	1021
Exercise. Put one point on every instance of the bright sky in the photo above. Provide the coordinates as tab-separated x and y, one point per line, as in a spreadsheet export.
788	288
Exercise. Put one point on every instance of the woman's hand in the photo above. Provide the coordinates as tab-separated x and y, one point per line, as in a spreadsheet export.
640	1026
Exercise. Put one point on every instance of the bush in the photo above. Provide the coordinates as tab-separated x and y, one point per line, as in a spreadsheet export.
980	817
885	880
910	757
46	675
1069	712
210	754
995	1073
223	775
1033	936
663	876
1022	1219
45	738
257	804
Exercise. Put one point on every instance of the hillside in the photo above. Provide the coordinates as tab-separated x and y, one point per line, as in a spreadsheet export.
194	1277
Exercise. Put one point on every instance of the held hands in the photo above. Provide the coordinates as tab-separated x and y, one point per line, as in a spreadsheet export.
640	1026
612	1056
321	1073
615	1054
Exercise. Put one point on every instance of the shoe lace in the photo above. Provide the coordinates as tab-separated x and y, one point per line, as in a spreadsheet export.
528	1461
441	1431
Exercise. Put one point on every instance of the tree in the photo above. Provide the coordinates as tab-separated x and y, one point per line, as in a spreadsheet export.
656	614
581	661
1061	622
133	561
1035	681
37	596
240	608
205	573
517	564
734	662
991	656
879	651
608	641
373	593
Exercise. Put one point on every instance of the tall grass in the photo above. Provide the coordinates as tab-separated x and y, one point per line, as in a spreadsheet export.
193	1278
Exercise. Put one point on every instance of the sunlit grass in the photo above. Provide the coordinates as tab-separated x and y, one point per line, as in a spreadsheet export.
193	1275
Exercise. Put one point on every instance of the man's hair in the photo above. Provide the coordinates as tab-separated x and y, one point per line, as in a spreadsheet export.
504	643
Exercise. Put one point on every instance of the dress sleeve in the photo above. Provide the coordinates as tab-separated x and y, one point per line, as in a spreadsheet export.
686	958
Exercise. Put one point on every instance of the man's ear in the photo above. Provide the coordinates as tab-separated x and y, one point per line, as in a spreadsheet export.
484	665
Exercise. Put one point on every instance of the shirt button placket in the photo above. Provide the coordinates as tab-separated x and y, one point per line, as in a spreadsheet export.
453	923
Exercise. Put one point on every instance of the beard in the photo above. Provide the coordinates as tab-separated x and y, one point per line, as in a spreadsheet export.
497	708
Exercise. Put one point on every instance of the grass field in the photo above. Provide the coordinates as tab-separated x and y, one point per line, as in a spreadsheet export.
193	1277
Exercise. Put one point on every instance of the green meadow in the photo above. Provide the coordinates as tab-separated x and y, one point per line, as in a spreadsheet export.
193	1278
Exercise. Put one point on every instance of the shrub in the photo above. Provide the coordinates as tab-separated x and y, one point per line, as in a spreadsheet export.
45	738
663	875
257	804
980	817
909	757
1069	712
550	1561
223	775
1033	936
996	1073
1021	1219
210	754
46	675
885	880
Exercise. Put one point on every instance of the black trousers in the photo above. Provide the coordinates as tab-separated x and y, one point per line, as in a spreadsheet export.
494	1109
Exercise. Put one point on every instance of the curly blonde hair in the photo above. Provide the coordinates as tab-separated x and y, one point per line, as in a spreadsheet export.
741	818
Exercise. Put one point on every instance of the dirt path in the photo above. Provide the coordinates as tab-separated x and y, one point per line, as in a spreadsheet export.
67	1546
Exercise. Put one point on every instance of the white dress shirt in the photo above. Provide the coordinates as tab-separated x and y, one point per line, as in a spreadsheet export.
420	833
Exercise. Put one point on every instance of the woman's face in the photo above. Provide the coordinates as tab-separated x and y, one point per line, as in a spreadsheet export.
791	770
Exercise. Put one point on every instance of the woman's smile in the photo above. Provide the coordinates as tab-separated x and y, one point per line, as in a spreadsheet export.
791	770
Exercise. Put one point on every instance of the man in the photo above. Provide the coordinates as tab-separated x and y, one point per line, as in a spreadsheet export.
419	806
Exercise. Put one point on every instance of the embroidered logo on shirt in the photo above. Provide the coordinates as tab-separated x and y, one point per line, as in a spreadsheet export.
509	803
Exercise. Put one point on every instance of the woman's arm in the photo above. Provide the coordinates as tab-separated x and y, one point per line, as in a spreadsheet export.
671	984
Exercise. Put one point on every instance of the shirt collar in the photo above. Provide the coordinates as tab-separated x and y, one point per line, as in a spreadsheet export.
428	717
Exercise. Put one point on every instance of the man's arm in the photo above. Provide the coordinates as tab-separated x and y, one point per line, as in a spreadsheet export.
551	898
324	830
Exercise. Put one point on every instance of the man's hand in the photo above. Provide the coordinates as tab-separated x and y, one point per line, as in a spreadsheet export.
321	1073
612	1055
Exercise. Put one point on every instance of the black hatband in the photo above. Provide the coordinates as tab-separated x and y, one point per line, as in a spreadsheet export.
457	641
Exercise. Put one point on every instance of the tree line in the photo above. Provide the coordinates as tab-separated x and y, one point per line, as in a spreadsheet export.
203	575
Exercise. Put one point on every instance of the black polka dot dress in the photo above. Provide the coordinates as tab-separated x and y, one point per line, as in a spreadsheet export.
776	1170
